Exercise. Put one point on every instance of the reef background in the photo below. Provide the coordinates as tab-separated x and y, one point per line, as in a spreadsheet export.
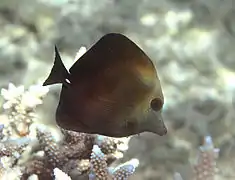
191	41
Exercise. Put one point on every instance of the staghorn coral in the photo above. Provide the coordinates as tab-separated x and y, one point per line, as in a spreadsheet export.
20	106
74	154
205	167
10	153
38	154
101	171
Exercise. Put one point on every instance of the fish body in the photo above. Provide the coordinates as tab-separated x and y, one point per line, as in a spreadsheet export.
113	90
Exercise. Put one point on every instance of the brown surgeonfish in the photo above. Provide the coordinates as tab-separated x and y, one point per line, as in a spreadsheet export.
112	90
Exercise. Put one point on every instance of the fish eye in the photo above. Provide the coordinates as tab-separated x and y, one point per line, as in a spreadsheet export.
156	104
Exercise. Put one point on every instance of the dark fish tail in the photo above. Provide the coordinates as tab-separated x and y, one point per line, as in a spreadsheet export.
58	73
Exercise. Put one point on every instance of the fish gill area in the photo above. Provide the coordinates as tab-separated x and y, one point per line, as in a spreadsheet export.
192	43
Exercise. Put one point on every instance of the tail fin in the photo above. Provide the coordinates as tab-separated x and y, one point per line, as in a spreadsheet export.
58	73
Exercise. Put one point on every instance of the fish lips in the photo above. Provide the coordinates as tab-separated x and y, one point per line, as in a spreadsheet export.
162	129
155	123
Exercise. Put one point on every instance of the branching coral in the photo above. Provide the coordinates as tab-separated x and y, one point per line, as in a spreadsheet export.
205	167
74	155
20	106
77	153
100	169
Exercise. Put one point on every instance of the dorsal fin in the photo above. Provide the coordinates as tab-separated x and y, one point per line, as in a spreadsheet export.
58	72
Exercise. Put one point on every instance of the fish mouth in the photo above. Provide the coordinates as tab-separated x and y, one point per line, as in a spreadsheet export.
162	131
155	123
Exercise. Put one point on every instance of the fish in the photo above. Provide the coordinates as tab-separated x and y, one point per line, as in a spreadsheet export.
113	90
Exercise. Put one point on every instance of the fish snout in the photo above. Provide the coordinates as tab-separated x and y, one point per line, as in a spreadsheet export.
155	124
162	131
